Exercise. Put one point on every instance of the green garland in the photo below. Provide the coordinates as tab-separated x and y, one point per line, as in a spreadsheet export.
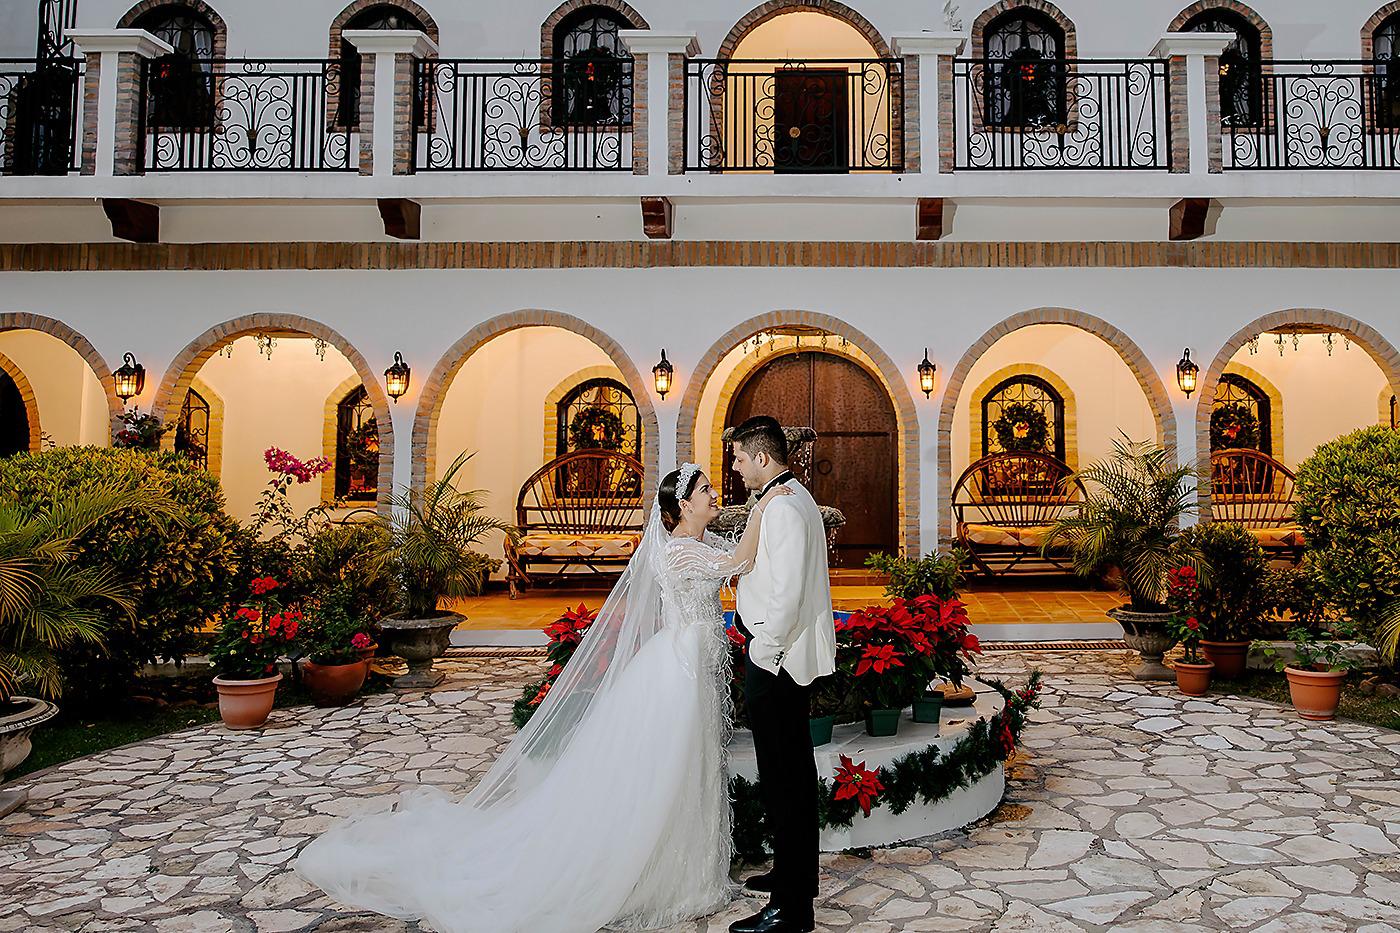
924	775
1037	428
597	428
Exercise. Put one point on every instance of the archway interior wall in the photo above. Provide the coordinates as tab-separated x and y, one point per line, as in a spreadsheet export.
72	403
270	402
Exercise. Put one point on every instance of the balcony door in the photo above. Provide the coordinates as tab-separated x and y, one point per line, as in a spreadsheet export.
810	115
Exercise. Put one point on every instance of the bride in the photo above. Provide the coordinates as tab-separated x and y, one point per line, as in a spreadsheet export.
611	807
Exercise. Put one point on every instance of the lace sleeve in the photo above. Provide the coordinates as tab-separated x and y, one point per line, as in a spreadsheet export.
690	559
726	543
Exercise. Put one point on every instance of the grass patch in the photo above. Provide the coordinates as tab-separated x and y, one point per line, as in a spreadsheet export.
1355	705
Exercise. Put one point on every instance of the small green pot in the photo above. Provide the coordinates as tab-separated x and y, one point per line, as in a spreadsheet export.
820	727
882	722
928	708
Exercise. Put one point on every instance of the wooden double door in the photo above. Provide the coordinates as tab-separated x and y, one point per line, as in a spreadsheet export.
855	461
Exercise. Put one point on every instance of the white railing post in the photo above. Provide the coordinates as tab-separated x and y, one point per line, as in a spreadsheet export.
111	97
924	123
662	108
386	120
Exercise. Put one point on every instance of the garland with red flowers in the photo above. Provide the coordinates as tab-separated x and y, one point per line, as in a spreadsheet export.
564	633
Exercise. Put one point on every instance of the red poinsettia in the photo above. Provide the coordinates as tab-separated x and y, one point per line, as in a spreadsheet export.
878	658
544	692
853	780
569	628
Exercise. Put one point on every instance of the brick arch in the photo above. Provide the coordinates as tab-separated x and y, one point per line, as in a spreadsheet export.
883	368
1137	362
1376	346
620	7
187	363
1368	33
214	460
330	427
774	8
31	405
1071	408
1045	7
435	388
1266	35
220	49
23	320
359	6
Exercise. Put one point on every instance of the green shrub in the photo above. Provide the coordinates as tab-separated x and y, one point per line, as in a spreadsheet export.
179	570
1349	513
1232	597
934	574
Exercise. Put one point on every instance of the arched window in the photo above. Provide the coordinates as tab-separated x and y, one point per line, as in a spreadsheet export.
383	16
181	86
1023	414
590	67
192	430
1241	416
1385	45
1024	70
1241	74
14	418
356	448
599	414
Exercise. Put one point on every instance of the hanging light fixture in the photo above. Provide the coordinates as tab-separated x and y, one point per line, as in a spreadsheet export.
1186	373
396	378
130	379
663	373
928	372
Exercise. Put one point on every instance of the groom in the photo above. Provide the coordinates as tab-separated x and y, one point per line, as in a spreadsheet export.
784	612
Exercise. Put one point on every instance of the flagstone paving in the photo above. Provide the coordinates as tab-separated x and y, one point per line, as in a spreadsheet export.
1132	809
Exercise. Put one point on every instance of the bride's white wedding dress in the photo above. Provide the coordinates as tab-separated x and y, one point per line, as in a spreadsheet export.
626	824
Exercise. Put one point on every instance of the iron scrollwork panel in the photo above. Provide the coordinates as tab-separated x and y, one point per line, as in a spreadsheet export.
38	116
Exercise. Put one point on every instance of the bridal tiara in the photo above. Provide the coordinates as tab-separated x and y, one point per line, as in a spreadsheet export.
687	474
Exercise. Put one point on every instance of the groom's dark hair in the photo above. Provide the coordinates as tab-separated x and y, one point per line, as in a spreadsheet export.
762	434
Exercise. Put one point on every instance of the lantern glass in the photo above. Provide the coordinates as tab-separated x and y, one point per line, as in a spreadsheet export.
130	379
928	373
396	378
1186	374
663	373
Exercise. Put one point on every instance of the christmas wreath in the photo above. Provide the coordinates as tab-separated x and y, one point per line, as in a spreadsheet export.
596	428
1233	425
1022	427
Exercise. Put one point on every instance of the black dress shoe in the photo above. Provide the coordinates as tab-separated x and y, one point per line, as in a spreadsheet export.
762	883
773	919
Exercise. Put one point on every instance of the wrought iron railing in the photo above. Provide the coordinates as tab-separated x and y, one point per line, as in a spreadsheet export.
242	115
1321	115
785	115
1061	114
522	115
39	106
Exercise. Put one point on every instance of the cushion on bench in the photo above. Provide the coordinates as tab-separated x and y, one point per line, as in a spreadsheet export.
1283	536
546	544
1005	535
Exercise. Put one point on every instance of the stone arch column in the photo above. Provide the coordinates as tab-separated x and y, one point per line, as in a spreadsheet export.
974	409
435	388
1367	337
23	320
880	365
31	405
188	361
1131	354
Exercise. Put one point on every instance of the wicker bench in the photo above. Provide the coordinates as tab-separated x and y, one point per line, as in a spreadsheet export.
1006	505
1252	488
581	513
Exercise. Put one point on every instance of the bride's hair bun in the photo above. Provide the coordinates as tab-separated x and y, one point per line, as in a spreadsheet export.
669	497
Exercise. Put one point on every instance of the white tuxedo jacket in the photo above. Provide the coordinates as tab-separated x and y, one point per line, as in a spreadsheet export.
785	601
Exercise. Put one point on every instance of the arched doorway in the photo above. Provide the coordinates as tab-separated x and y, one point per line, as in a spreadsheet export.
14	418
855	461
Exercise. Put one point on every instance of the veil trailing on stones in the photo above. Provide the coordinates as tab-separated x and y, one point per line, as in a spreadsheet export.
630	616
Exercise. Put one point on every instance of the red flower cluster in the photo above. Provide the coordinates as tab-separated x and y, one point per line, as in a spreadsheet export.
284	624
571	626
262	585
853	780
878	658
361	640
736	637
1182	584
544	692
906	645
280	461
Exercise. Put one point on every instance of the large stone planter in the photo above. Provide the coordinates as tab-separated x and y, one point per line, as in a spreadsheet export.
17	723
418	642
1146	633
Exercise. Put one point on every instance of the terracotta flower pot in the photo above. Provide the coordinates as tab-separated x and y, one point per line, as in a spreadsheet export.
367	654
1193	679
1229	657
334	684
245	704
1315	693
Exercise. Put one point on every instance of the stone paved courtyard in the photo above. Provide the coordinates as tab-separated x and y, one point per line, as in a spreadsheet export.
1132	809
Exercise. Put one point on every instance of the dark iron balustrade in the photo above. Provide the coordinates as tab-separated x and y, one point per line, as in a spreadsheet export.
1061	114
523	115
242	115
38	116
1321	115
794	116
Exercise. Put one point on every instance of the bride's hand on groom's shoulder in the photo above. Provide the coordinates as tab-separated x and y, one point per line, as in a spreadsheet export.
772	494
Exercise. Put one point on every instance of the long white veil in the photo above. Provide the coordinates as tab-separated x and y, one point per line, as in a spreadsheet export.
630	616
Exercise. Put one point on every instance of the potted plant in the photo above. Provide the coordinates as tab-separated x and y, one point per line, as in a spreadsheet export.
1192	671
881	687
246	649
336	666
830	702
430	538
484	565
934	574
1231	605
1129	523
1318	668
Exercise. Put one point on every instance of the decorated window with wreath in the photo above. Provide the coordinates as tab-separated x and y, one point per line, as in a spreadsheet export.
1023	414
1024	71
1241	416
356	448
591	65
192	430
599	414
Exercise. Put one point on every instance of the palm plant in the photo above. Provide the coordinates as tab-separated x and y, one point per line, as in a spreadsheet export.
1131	520
1388	634
47	598
431	534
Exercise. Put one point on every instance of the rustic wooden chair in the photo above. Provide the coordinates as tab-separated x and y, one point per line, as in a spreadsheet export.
1006	504
581	513
1252	488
